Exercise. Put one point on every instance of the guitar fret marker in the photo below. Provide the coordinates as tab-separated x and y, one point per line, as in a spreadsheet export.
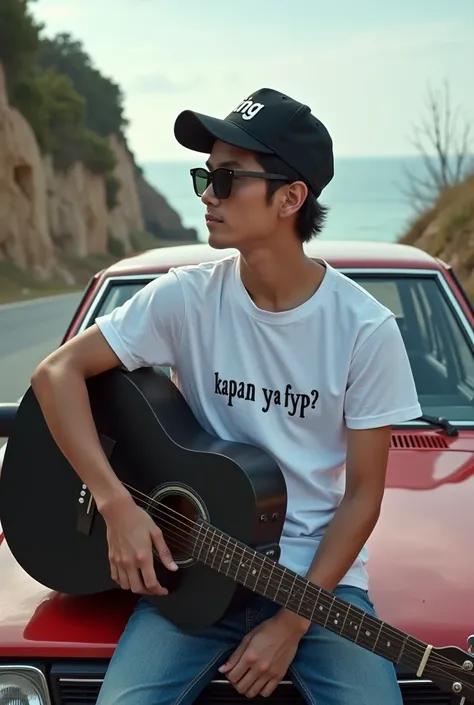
264	576
329	611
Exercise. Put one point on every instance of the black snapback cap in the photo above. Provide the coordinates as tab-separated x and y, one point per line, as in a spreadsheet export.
269	122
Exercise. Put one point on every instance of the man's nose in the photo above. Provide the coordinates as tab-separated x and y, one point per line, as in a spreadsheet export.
208	197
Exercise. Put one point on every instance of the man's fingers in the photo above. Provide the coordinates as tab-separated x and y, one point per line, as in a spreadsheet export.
237	664
114	571
163	550
257	688
135	580
268	689
123	578
135	570
150	581
248	682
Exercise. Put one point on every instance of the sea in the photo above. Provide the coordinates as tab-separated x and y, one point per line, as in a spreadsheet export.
367	197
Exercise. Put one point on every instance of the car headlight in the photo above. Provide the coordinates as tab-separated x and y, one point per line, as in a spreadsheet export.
23	685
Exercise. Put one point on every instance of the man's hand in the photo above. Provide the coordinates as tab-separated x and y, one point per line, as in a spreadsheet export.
262	659
132	534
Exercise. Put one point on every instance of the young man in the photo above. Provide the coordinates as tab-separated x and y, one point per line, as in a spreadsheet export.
271	316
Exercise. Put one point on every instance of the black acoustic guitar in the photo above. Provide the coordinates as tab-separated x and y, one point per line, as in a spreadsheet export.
221	506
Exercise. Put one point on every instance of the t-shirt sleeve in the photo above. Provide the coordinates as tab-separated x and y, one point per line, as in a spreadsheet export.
381	389
146	330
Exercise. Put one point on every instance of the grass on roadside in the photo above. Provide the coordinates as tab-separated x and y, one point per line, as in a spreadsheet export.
18	285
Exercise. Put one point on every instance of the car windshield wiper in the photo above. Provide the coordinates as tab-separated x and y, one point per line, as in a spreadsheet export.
440	422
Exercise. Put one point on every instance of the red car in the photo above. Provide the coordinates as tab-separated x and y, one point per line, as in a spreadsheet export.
422	557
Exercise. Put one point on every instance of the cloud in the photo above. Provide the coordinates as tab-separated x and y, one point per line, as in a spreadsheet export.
158	83
57	14
364	72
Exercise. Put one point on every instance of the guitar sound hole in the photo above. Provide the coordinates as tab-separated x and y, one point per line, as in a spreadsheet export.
178	516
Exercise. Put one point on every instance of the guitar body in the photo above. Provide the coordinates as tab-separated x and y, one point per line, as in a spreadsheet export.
155	446
221	506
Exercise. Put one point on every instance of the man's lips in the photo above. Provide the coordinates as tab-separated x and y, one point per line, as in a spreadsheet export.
212	218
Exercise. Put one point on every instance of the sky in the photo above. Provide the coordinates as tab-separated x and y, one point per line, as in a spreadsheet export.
363	66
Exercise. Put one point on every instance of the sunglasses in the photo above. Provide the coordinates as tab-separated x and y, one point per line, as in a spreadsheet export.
222	179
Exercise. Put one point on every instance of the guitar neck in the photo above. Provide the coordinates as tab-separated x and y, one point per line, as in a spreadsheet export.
283	586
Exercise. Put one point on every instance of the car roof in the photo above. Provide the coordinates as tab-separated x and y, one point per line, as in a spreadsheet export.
341	253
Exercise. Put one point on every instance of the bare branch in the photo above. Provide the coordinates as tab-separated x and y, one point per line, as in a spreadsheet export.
418	191
444	142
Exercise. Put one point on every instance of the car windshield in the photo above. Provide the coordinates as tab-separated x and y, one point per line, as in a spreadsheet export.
438	345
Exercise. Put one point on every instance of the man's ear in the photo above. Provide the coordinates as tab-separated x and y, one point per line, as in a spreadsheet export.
292	198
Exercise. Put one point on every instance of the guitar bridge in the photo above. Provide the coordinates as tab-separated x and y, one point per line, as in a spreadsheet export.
85	511
86	507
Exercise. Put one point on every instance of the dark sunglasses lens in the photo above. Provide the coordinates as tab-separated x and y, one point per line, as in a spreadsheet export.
201	181
222	183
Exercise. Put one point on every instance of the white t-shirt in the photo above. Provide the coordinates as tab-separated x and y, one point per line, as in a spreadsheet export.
291	382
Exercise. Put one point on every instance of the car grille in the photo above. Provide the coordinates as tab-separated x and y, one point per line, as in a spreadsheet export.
79	685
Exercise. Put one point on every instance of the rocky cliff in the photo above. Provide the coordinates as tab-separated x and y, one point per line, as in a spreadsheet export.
447	231
160	218
24	231
44	210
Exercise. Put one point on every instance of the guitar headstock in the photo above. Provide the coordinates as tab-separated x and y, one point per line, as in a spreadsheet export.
452	669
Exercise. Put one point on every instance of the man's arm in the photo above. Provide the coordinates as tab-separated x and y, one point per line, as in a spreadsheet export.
145	331
261	659
380	392
59	383
356	516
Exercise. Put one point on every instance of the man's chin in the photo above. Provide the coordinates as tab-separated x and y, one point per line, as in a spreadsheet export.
220	240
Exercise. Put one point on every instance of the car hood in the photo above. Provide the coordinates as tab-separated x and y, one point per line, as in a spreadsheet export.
421	564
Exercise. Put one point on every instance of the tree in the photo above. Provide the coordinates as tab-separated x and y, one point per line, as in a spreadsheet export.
96	153
65	110
104	100
443	139
69	138
26	94
70	105
19	38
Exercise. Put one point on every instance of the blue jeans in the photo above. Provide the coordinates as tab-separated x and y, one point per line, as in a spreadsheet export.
157	664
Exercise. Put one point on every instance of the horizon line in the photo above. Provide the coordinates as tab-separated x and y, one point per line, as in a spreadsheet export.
336	157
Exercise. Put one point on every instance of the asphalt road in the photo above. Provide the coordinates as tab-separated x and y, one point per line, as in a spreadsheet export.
29	331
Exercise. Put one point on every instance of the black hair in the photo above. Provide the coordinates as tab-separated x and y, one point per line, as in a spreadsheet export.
312	214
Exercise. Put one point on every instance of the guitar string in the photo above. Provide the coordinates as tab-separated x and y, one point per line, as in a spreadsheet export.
328	600
191	524
310	590
278	576
412	661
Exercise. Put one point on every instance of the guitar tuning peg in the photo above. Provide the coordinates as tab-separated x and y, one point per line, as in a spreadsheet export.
470	643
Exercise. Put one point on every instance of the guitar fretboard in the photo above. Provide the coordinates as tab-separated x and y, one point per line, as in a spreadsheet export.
283	586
